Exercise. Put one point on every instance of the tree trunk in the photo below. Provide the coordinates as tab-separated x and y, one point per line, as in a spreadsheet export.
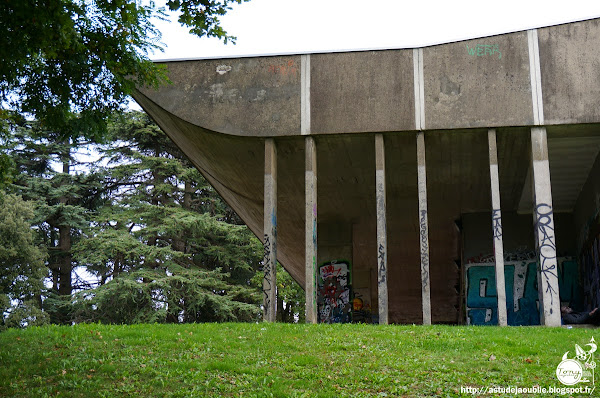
65	284
53	261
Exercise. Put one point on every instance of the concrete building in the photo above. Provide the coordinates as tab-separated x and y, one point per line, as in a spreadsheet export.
424	180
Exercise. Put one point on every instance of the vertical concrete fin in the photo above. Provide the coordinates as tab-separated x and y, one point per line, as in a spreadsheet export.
270	231
310	178
305	94
419	87
497	228
545	236
423	229
535	77
382	288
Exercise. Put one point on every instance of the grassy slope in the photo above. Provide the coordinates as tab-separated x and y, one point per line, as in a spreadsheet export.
277	359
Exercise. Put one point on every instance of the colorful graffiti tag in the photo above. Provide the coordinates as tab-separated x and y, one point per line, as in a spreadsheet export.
521	291
481	50
333	299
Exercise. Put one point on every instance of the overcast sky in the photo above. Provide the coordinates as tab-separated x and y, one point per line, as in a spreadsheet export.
300	26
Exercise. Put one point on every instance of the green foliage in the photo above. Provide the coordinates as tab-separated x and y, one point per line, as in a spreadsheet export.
75	56
25	314
202	16
21	264
7	168
162	244
291	298
64	199
187	295
283	360
71	63
159	248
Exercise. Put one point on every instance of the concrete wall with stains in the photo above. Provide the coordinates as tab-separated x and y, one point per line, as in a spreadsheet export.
570	80
373	91
517	236
244	96
459	75
369	91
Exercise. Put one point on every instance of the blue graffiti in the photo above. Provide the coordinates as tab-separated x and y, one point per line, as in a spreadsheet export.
521	283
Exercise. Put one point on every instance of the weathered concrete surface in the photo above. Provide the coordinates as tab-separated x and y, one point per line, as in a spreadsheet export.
478	83
468	84
570	80
245	96
369	91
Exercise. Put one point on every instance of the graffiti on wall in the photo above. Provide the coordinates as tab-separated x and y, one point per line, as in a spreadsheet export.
361	307
544	231
267	276
589	259
522	305
481	50
519	254
333	298
424	234
284	68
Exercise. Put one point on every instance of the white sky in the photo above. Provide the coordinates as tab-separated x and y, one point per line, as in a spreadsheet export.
300	26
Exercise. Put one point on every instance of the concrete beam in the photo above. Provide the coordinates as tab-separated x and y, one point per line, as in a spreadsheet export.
419	88
270	230
382	288
544	230
310	178
305	94
423	229
535	77
497	228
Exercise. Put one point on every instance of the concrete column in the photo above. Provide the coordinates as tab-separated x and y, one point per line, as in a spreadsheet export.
270	230
544	230
310	178
382	289
423	228
497	228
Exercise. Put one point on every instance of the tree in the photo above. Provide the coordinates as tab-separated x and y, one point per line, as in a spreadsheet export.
47	174
22	267
71	63
163	246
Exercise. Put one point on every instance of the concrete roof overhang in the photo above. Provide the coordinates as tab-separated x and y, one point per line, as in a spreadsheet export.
219	111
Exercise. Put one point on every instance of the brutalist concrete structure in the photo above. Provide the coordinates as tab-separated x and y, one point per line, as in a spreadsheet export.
457	183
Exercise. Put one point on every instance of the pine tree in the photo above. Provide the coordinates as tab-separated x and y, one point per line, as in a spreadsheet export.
47	174
163	247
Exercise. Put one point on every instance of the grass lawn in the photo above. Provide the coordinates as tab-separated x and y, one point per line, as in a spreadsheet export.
284	360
